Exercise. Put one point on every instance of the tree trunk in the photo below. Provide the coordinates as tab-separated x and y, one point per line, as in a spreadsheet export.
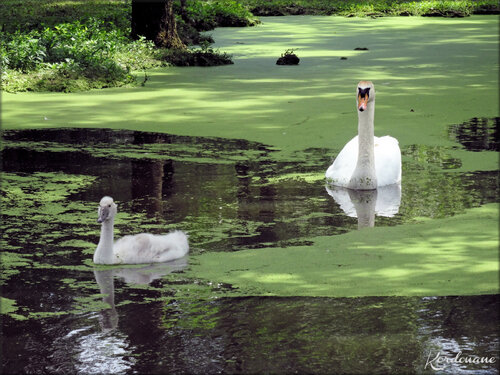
155	20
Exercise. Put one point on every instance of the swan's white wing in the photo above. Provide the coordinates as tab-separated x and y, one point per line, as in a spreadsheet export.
340	172
149	248
387	161
170	246
132	249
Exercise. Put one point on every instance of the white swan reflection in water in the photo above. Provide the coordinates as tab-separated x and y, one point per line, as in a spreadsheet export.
108	350
366	204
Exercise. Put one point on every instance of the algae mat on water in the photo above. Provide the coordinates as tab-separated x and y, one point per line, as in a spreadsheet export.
452	256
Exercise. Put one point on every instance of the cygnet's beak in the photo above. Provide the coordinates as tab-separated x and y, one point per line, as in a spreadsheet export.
103	214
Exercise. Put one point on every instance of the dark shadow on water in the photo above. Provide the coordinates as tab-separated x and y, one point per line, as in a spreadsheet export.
477	134
107	137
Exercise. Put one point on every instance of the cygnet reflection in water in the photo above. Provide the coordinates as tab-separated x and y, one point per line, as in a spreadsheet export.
143	275
366	204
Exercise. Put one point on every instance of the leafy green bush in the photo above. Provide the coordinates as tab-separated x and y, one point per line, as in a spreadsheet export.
97	52
232	13
26	15
103	55
447	8
206	15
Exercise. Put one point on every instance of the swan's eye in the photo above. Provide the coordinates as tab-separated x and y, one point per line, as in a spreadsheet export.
109	205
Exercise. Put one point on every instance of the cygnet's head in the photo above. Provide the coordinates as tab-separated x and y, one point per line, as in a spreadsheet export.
107	209
365	95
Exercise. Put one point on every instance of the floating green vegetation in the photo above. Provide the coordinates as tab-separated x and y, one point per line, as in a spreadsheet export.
268	210
22	192
155	152
314	109
453	256
38	201
10	263
192	315
8	307
210	232
85	246
297	176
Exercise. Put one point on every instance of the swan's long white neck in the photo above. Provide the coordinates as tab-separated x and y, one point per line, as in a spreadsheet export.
364	177
104	252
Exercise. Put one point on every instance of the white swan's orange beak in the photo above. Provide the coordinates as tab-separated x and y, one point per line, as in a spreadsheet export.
362	102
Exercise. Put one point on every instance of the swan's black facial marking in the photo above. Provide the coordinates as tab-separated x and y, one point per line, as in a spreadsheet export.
363	96
364	92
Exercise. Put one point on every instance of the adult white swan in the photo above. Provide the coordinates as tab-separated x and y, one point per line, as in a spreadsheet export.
140	248
366	161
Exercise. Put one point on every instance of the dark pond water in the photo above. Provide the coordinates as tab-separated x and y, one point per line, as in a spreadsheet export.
477	134
229	195
261	335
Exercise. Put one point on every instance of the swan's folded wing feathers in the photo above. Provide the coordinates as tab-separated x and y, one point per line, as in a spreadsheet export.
343	167
387	160
147	248
133	248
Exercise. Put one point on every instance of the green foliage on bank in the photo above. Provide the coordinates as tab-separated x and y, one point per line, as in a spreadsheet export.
206	15
66	46
33	14
204	56
449	8
72	56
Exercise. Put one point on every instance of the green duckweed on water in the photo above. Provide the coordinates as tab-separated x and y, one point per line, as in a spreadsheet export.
8	307
452	256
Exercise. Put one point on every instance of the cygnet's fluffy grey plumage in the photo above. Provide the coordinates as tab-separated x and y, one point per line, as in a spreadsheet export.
139	248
